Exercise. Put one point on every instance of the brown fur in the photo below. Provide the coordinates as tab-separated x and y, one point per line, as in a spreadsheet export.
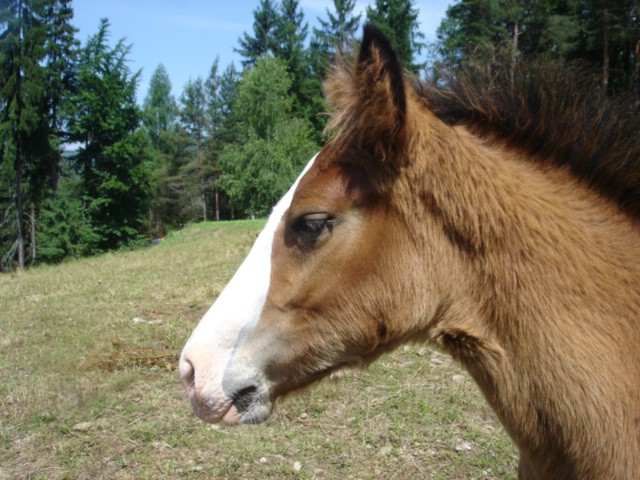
554	112
481	239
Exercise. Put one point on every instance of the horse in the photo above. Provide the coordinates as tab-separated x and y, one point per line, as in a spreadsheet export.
493	219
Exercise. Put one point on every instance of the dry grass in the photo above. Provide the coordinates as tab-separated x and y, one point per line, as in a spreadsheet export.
87	392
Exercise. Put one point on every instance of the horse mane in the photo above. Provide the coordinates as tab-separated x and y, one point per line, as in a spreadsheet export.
549	111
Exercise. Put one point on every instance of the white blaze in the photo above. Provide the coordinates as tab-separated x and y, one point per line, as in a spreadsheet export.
240	304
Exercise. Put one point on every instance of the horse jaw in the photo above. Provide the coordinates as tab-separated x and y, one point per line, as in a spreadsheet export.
210	350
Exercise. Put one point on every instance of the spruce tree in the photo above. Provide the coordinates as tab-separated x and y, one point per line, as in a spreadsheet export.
611	41
220	91
291	34
64	226
221	94
603	35
61	55
159	116
197	171
24	135
264	40
111	161
170	184
551	27
159	106
398	19
215	108
338	32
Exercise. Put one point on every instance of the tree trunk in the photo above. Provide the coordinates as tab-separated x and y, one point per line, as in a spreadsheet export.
204	208
19	200
514	53
32	221
636	75
55	155
202	192
55	172
217	206
636	72
18	161
605	59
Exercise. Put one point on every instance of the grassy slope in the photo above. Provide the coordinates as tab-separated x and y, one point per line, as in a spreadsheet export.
87	393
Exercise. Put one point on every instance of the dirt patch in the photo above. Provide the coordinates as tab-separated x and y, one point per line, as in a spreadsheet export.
126	356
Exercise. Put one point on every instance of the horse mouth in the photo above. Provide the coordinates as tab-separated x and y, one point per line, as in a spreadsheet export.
254	398
248	406
234	412
209	412
256	413
252	405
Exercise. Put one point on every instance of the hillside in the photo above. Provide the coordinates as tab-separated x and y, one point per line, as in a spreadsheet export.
88	352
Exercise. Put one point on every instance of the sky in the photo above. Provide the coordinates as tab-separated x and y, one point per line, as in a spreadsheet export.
186	36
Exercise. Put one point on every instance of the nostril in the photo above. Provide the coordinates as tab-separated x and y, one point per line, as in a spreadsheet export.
243	398
187	373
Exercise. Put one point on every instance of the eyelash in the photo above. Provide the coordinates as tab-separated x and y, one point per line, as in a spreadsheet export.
309	228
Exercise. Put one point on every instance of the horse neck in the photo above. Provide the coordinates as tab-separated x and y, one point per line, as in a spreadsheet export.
547	296
530	236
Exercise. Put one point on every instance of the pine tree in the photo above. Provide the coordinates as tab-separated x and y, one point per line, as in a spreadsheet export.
281	33
171	186
338	32
159	116
221	95
24	136
610	39
104	120
220	92
228	90
602	34
291	34
471	27
551	27
215	108
64	225
398	19
159	106
185	181
264	42
198	170
61	55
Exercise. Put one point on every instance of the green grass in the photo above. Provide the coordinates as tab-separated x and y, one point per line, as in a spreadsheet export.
88	393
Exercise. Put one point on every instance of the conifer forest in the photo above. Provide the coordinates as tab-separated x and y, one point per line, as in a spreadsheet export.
87	167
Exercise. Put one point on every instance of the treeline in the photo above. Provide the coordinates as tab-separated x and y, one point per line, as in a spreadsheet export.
85	168
602	35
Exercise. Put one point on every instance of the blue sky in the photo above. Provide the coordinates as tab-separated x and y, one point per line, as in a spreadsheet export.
187	35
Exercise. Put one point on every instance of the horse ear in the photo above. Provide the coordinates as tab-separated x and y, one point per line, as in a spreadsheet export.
381	75
369	98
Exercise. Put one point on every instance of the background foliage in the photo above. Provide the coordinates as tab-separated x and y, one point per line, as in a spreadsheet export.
86	168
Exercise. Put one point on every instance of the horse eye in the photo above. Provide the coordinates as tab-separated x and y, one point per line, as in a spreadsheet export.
309	228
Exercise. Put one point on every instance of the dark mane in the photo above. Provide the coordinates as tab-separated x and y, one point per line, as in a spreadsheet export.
547	111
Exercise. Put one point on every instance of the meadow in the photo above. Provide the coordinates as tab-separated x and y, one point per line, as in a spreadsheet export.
89	388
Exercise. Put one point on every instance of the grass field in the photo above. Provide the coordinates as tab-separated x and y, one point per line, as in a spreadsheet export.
88	351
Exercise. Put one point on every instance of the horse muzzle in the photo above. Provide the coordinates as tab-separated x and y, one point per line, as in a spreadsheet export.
220	393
